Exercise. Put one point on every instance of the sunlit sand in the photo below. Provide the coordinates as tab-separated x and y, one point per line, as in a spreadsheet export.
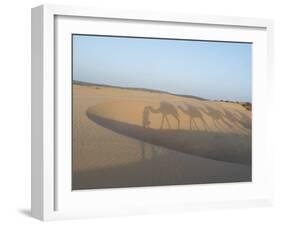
127	137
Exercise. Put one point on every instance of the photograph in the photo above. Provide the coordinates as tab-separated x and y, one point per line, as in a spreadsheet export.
150	111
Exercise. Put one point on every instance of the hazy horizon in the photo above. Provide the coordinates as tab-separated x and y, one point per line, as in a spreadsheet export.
211	70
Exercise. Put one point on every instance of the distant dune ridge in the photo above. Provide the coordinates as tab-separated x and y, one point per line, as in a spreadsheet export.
131	88
119	133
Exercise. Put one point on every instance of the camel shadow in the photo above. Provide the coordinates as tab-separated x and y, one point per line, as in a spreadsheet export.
245	120
230	116
242	121
194	113
217	117
165	109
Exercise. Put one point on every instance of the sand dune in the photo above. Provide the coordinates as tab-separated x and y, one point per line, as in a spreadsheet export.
219	146
140	138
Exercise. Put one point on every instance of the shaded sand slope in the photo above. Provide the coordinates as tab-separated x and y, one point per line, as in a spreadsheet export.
192	126
214	145
120	138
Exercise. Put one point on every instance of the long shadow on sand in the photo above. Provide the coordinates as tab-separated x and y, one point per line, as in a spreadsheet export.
213	145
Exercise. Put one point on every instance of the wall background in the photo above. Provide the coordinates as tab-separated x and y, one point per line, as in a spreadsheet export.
15	112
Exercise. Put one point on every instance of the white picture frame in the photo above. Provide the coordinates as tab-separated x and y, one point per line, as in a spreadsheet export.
52	197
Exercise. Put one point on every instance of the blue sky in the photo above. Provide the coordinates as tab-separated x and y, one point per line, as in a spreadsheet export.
213	70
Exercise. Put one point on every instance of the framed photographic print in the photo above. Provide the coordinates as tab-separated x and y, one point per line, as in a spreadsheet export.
137	112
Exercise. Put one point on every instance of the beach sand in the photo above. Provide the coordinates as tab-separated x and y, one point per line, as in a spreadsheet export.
127	137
